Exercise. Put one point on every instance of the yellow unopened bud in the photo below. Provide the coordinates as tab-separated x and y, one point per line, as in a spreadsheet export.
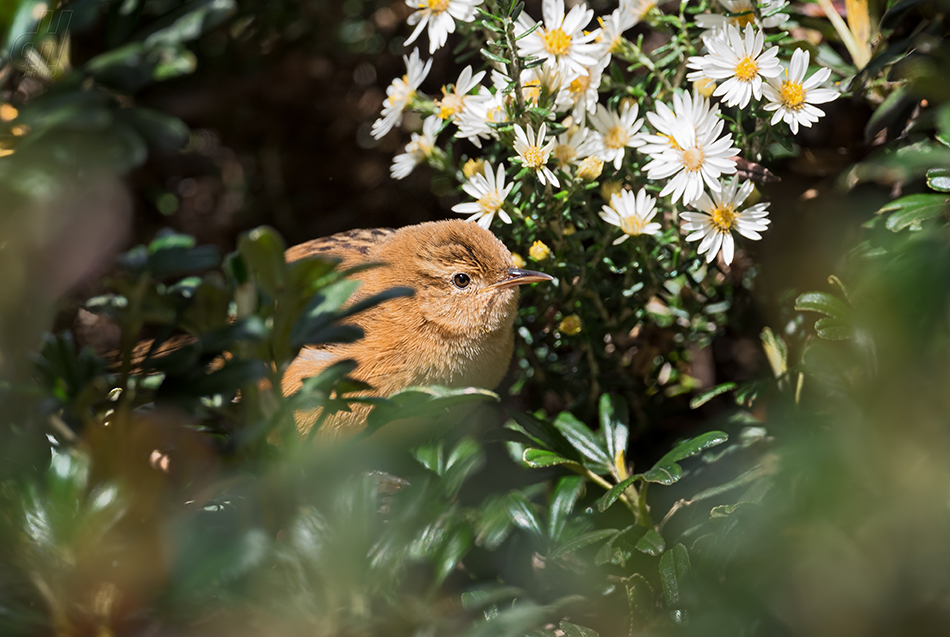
590	168
570	325
539	251
569	229
473	167
705	86
518	260
20	129
627	102
610	188
8	112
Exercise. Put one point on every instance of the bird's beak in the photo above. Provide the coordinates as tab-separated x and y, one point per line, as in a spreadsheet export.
517	276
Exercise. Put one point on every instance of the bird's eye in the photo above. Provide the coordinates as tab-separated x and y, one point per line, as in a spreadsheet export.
461	280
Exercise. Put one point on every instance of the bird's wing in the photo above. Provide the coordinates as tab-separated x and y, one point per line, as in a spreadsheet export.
351	247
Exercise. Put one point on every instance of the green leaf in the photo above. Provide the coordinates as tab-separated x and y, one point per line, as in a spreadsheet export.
674	566
494	523
585	539
833	329
775	351
913	209
823	303
466	457
692	447
522	513
451	552
539	459
178	261
263	252
613	423
566	493
543	433
651	543
663	475
573	630
430	457
704	397
159	130
939	179
581	438
640	595
429	402
614	494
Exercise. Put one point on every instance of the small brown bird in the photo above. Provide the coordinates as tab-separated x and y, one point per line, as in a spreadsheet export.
456	330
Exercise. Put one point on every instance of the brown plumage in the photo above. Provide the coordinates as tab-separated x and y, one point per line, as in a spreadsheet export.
456	330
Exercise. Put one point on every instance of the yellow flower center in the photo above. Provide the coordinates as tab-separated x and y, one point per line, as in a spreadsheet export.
723	218
747	69
450	105
580	85
616	137
693	159
564	153
533	157
437	6
556	42
741	20
489	202
632	225
473	167
539	251
705	86
401	92
496	115
532	90
793	95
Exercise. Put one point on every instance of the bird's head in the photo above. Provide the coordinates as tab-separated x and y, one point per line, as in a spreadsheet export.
464	279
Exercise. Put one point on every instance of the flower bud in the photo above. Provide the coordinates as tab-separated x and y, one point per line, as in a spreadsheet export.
590	168
570	325
705	86
610	188
8	112
539	251
518	260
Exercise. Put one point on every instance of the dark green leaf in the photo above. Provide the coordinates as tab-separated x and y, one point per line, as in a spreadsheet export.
566	492
539	458
692	447
704	397
573	630
663	475
522	513
585	539
581	438
263	252
939	179
833	329
178	261
823	303
614	494
640	596
494	523
674	566
651	543
466	457
913	209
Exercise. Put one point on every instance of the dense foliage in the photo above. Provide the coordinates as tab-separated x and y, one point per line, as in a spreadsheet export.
163	488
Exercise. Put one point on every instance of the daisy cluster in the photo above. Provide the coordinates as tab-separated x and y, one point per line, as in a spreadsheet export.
553	109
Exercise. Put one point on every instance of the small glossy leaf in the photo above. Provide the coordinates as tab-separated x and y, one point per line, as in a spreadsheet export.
573	630
613	423
179	261
581	438
466	457
663	475
614	494
913	209
494	523
833	329
704	397
566	493
586	539
263	252
692	447
539	458
522	513
939	179
823	303
544	434
674	566
640	595
651	543
451	552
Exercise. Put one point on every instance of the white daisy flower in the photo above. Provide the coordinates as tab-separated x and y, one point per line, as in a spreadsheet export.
696	157
616	131
440	17
631	213
794	97
741	62
637	8
400	93
453	102
479	113
572	146
418	150
581	92
720	215
694	109
489	191
612	29
740	13
534	153
562	39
